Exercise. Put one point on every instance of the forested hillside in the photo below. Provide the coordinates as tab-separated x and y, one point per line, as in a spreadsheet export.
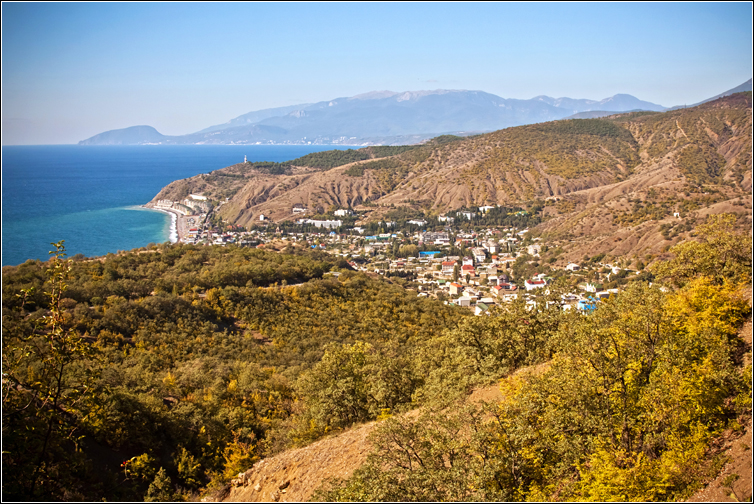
623	408
162	373
173	368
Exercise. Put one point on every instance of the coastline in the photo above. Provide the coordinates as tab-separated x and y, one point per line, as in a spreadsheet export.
175	234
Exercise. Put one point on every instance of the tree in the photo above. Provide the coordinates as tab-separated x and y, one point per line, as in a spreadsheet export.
721	254
47	384
161	489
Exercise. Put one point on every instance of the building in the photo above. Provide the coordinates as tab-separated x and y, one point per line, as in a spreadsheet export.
573	267
481	309
327	224
467	269
479	254
463	301
534	284
343	212
533	250
455	289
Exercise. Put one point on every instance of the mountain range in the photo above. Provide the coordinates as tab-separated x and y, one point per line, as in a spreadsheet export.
379	118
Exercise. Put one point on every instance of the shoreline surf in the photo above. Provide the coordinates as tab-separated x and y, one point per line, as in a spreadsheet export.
174	235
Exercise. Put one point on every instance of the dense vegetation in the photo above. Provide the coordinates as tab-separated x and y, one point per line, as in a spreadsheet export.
622	407
326	160
174	368
161	373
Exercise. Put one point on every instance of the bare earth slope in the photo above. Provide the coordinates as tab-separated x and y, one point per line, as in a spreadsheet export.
294	475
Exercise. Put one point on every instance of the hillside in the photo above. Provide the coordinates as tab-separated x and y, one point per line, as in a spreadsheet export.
607	184
294	475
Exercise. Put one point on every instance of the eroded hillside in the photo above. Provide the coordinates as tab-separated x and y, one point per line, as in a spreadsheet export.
609	185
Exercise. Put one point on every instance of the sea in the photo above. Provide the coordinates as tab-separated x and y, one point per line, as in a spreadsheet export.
91	196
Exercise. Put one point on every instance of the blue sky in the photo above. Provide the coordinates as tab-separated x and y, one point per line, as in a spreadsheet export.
72	70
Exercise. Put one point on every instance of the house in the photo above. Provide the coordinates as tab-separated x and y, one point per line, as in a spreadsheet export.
455	289
473	294
485	209
505	262
510	296
479	255
448	267
343	212
467	269
573	267
463	301
417	222
496	290
444	218
533	250
481	309
467	261
534	284
491	246
298	208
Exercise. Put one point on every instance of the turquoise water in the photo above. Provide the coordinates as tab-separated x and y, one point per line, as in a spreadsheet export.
89	196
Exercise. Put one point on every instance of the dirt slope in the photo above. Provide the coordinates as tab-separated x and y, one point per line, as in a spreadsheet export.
292	476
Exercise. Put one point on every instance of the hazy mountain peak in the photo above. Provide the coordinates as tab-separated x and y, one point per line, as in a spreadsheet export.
374	95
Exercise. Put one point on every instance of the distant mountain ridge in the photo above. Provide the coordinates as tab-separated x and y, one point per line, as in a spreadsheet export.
746	86
382	117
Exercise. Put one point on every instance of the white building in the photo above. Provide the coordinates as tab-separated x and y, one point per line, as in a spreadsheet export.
534	284
479	255
343	212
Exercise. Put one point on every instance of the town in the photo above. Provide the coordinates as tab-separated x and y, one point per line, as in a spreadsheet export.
455	258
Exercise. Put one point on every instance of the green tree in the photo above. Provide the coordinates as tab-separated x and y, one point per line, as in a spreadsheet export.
47	388
721	254
161	489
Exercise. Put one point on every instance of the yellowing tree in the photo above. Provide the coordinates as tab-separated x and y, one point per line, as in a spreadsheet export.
721	254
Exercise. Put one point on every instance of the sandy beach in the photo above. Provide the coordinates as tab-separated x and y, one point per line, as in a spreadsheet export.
178	224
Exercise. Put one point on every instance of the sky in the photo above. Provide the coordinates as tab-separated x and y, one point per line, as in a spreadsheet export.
73	70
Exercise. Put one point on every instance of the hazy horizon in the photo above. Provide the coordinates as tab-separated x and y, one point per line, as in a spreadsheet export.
73	70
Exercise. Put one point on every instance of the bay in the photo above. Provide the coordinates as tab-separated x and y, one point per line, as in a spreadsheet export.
90	196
